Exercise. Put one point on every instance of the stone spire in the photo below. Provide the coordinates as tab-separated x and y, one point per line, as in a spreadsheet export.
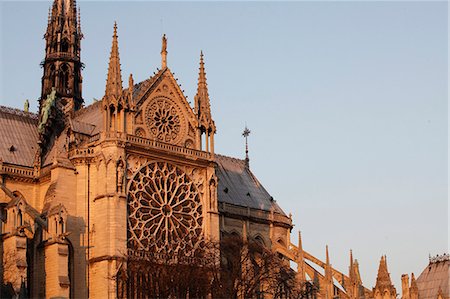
62	65
355	279
203	110
414	290
350	272
114	81
383	277
329	284
384	283
300	261
202	102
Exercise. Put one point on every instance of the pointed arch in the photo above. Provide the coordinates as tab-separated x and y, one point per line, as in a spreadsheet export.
64	45
64	75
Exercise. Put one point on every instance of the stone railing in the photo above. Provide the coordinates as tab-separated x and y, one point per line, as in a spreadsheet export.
439	258
139	141
135	140
253	213
67	55
17	170
82	153
94	138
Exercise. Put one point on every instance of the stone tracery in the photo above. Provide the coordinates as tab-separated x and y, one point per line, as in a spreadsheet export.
164	120
165	212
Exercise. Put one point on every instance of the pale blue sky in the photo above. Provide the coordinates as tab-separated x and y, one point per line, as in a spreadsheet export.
347	103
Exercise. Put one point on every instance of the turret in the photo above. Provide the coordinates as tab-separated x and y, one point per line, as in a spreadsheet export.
62	65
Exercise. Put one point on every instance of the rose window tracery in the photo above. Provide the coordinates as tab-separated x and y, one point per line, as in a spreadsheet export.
164	120
165	212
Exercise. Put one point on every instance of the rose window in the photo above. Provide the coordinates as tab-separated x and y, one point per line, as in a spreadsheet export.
163	120
165	212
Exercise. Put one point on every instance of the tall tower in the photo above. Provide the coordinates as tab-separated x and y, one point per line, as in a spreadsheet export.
62	65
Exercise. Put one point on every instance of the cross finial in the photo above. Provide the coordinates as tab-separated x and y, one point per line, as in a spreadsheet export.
246	133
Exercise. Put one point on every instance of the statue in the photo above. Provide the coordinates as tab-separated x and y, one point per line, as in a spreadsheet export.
164	43
46	109
213	193
120	170
26	106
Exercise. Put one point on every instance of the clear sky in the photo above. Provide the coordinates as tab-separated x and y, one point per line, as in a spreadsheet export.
347	103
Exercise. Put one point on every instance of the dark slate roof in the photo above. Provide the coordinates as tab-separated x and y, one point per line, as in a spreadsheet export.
18	129
88	120
140	88
238	186
433	277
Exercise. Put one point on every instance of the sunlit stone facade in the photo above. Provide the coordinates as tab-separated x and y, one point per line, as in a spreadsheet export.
82	185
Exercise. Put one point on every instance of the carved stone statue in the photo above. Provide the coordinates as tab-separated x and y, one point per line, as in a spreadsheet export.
213	193
164	44
26	106
46	109
120	171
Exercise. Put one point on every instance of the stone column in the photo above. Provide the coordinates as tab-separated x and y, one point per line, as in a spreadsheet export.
57	284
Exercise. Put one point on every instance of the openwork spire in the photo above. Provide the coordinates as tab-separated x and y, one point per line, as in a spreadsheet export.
202	102
114	80
62	63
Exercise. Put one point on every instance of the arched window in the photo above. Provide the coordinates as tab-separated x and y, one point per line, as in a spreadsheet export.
61	225
260	240
64	79
64	45
52	75
19	218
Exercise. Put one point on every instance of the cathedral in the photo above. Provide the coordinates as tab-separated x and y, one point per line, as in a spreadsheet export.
83	186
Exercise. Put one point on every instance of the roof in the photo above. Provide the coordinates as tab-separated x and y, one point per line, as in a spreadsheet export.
433	277
18	136
238	186
88	120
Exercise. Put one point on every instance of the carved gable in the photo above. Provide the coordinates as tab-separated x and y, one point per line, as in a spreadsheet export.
163	113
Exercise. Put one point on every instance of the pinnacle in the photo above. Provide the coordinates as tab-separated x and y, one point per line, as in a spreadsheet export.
114	80
383	277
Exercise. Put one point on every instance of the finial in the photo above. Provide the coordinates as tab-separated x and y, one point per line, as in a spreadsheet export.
327	255
246	133
300	246
115	29
26	106
164	52
130	81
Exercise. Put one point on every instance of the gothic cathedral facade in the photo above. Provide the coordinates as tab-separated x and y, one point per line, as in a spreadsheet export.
83	186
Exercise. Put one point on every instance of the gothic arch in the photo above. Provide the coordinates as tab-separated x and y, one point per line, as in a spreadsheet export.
64	77
259	239
64	45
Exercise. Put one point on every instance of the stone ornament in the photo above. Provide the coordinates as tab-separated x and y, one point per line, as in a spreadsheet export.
164	120
165	210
